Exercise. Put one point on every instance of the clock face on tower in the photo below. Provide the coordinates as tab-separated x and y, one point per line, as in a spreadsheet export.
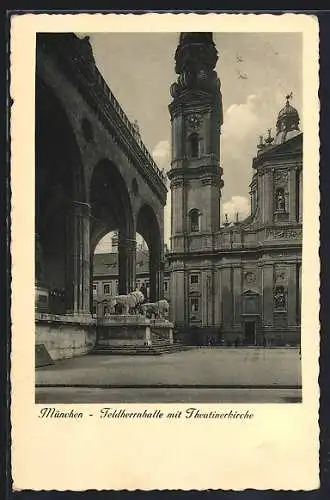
194	120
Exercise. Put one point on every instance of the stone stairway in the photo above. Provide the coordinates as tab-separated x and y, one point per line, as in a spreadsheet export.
159	346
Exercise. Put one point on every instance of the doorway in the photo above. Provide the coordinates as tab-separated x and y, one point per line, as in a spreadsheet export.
250	333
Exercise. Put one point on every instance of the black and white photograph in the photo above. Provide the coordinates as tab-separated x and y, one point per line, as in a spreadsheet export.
168	217
165	266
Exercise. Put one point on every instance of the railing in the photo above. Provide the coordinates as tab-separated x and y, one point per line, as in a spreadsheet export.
136	136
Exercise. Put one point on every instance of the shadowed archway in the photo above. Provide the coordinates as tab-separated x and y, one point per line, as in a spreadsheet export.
61	212
111	211
147	225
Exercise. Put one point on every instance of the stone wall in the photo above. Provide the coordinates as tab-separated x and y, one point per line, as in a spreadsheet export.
65	336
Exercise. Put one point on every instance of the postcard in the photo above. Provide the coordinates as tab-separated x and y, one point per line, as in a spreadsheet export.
165	268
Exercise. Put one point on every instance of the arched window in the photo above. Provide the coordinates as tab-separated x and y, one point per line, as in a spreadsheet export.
194	216
193	141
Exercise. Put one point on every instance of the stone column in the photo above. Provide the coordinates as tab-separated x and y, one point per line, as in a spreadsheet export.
127	264
154	272
261	196
208	130
292	195
179	298
78	259
160	281
177	206
292	294
268	197
218	298
267	287
227	294
300	173
237	290
206	302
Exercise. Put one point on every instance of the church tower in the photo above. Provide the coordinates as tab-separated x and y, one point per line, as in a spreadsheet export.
196	118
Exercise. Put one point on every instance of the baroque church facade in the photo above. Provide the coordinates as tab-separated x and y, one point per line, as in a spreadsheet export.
241	281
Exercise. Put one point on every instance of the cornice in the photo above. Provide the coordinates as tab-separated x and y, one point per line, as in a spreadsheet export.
216	254
198	172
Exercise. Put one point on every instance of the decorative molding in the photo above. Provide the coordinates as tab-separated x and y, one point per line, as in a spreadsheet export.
194	121
281	274
285	234
250	277
280	177
177	182
209	181
280	298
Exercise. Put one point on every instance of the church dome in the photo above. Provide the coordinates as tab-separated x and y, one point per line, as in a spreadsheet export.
288	117
287	110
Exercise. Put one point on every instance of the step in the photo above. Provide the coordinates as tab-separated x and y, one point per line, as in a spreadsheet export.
138	350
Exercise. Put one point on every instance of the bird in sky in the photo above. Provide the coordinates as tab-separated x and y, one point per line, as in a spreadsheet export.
242	76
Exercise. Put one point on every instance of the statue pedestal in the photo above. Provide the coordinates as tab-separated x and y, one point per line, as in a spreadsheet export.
122	329
162	329
134	330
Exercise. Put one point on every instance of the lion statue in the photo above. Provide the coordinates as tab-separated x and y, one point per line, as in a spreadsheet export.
157	309
126	304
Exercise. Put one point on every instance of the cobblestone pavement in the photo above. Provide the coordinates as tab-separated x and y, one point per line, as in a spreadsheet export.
73	395
220	367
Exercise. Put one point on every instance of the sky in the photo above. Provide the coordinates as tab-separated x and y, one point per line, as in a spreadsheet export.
139	69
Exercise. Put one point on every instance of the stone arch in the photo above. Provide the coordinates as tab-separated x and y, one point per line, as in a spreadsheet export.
59	200
111	210
147	225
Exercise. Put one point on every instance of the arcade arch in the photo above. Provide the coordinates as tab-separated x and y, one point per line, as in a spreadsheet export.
147	225
61	211
106	271
111	211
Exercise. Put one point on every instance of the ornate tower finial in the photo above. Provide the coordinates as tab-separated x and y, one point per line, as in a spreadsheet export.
195	60
261	144
289	96
269	139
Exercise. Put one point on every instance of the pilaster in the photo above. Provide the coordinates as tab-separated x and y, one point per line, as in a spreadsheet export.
267	299
292	195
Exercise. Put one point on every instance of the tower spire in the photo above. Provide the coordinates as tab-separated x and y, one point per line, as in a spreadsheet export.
196	119
195	59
